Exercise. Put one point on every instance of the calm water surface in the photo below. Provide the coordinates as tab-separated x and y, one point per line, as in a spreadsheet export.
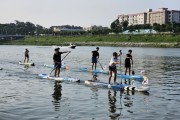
23	96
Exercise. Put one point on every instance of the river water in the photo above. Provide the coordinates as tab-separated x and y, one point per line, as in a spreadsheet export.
23	96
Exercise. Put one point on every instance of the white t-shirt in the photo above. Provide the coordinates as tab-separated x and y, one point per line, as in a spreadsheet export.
111	63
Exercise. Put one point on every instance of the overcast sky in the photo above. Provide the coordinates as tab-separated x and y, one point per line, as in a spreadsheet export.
76	12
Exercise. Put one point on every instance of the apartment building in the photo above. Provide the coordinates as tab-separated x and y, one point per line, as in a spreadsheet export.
133	19
161	16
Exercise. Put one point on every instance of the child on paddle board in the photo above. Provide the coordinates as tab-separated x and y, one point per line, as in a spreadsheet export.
26	53
57	61
112	67
145	78
95	57
128	62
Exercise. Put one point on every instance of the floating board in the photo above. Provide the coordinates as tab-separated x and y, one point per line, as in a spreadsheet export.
93	71
46	76
122	76
134	77
52	66
30	64
117	86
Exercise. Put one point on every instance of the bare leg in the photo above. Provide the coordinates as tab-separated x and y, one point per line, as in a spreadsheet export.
24	59
110	75
125	70
115	73
129	70
95	66
58	72
92	65
55	72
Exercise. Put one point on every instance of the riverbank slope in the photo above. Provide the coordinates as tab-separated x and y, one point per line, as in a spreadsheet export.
158	40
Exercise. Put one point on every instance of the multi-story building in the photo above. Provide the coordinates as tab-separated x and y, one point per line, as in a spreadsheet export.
161	16
133	19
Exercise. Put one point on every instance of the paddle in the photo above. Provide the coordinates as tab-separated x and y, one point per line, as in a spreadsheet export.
120	53
100	65
60	63
133	73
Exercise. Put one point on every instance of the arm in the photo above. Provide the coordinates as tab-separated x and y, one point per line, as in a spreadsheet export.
98	55
65	52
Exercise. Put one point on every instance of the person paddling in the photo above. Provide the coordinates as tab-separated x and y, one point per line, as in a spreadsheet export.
26	53
57	61
95	57
112	67
128	62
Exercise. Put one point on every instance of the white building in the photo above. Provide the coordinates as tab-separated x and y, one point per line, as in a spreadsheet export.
161	16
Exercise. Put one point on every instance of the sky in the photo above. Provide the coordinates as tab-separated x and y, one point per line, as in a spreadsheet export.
82	13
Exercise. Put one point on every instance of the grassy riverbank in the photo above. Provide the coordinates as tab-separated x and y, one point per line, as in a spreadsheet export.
158	40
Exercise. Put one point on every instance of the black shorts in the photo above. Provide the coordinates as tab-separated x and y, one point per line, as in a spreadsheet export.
94	60
112	68
27	56
57	66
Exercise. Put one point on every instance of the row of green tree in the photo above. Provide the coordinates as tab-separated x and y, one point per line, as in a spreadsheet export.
23	28
118	27
28	28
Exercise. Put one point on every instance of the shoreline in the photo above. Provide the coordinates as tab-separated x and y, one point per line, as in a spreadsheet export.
158	40
129	44
112	44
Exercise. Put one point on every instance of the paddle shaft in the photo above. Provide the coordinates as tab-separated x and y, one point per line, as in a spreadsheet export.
133	73
100	65
120	53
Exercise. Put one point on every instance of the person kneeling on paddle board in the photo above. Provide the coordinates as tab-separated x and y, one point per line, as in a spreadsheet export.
112	67
57	61
145	78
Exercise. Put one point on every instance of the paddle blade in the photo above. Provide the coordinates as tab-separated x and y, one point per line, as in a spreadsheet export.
133	73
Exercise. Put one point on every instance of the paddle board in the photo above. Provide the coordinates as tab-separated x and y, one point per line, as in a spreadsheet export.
117	86
122	76
46	76
93	71
52	66
29	63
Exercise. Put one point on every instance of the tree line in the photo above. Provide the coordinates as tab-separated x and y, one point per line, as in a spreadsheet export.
23	28
118	27
28	28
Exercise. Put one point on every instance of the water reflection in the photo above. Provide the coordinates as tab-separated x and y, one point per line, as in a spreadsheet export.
112	105
57	95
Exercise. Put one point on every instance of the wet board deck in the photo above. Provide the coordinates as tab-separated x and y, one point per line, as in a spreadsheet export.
52	66
122	76
117	86
46	76
29	63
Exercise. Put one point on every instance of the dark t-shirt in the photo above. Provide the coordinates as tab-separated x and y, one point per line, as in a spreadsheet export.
95	54
57	57
128	60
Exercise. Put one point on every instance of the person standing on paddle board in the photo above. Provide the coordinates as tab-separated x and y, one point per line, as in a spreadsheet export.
57	61
128	62
26	53
112	67
95	57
